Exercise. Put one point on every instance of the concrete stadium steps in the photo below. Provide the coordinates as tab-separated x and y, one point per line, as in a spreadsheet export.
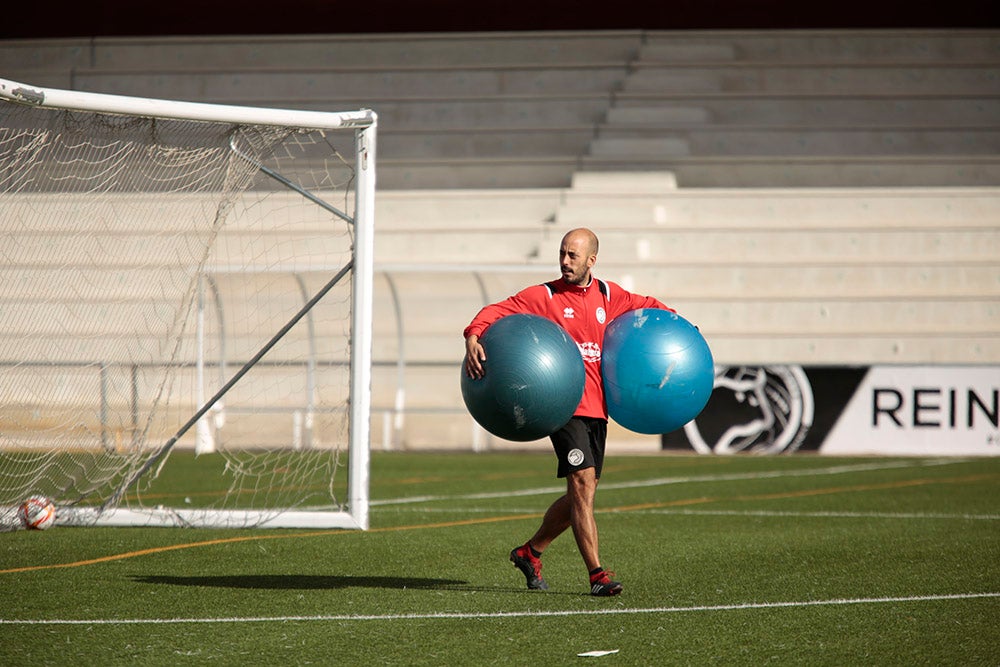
812	79
22	284
842	45
524	93
732	347
97	64
502	48
640	245
641	141
508	244
844	246
795	111
428	311
813	196
917	171
115	251
479	172
808	109
62	56
532	112
128	316
810	318
270	87
90	339
98	320
715	283
565	142
701	244
905	347
697	171
453	227
761	322
42	78
444	210
239	52
736	280
773	108
613	199
893	274
779	300
163	213
266	386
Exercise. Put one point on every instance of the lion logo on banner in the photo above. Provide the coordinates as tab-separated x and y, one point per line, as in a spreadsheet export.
774	405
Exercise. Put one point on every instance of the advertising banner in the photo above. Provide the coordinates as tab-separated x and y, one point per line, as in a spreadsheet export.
839	410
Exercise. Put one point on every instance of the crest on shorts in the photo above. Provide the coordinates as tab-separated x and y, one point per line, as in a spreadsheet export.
575	457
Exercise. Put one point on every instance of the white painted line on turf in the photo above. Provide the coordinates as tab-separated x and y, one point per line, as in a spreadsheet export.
749	513
503	614
664	481
824	515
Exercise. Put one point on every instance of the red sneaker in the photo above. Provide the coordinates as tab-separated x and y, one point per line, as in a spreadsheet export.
530	566
601	584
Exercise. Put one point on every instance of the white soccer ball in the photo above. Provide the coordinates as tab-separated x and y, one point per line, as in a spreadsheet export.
37	513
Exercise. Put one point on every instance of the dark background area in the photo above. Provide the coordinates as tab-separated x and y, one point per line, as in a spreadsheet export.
34	19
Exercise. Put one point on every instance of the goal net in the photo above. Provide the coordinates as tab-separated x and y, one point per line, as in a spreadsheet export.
185	311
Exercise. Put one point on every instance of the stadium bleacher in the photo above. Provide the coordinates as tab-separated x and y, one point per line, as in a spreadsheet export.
823	197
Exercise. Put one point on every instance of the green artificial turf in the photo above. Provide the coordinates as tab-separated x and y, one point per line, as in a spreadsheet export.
725	560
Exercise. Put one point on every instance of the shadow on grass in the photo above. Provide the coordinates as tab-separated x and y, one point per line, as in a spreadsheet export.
321	582
301	581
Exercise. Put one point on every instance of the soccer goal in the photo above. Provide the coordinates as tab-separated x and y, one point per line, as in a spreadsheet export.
185	311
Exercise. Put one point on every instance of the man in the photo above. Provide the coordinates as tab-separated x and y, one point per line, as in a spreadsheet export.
583	306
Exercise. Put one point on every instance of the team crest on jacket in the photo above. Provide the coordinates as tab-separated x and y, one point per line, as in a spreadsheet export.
590	351
601	315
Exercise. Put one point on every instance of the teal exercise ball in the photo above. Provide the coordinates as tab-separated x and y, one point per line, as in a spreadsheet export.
533	379
657	370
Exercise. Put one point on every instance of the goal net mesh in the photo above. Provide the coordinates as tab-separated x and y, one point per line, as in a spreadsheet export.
143	262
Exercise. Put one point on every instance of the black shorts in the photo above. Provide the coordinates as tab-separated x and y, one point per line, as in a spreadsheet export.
580	444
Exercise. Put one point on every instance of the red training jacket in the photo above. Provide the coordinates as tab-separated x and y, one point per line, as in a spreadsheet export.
584	312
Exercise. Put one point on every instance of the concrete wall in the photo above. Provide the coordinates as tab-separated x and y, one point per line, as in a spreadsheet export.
825	197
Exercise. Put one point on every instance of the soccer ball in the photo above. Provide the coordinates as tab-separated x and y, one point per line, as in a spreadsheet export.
37	513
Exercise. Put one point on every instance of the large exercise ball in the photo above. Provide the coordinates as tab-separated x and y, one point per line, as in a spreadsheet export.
533	380
657	370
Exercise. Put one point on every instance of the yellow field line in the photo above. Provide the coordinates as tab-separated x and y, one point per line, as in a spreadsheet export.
252	538
808	492
875	487
497	519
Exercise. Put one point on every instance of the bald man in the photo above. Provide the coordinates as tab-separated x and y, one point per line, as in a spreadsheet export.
583	306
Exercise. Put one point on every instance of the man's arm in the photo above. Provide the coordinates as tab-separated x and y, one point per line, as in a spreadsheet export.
652	302
525	301
475	355
630	301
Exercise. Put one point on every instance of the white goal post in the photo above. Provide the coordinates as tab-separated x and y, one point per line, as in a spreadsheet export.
185	311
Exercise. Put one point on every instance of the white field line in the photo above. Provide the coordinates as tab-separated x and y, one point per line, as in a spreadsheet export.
747	513
665	481
831	515
504	614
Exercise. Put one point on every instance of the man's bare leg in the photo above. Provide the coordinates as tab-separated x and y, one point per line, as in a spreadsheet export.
574	509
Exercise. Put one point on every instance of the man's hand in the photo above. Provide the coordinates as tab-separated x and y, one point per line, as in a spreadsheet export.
475	355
